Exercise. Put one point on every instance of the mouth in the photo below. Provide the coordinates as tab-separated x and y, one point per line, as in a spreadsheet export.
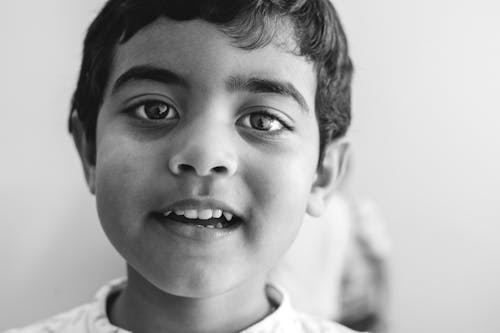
204	214
204	218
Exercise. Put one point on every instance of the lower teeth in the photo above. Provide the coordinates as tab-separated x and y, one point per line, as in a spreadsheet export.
211	226
216	223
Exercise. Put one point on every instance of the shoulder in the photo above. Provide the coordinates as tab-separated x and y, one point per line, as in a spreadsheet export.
313	324
88	318
286	319
70	321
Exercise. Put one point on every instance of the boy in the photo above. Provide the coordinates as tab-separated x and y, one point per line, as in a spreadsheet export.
206	130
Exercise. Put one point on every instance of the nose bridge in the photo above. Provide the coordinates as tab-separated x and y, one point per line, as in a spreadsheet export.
205	147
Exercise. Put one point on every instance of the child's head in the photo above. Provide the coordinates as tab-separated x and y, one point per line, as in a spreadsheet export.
187	109
316	32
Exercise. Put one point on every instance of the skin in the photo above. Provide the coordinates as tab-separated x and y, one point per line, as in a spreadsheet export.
206	147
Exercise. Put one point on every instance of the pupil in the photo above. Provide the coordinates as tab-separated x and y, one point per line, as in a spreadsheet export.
260	122
155	110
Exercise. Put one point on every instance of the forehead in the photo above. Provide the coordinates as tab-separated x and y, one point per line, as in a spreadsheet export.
203	55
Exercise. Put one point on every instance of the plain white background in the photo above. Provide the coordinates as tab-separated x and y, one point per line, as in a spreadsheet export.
426	136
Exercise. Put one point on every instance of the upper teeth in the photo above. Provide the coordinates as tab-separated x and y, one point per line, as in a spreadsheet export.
202	214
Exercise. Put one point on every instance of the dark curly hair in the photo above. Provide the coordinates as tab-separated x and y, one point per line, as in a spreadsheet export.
250	24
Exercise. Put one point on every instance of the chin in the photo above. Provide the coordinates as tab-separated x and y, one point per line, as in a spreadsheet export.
196	284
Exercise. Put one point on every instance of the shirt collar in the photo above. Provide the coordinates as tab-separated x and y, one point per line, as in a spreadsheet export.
280	320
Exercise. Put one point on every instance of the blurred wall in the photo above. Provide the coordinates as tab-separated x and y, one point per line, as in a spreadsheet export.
54	254
426	136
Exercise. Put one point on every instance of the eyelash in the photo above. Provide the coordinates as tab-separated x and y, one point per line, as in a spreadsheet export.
269	115
137	107
261	111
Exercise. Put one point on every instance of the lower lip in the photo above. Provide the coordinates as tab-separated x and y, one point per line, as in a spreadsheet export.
193	232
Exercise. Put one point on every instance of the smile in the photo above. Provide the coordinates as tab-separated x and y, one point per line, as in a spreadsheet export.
204	218
200	229
206	213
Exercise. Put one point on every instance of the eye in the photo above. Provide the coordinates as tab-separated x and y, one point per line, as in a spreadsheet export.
156	110
262	121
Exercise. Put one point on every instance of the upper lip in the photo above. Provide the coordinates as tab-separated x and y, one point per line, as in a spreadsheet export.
199	204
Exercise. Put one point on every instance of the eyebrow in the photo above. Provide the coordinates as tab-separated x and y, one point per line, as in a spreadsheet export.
267	86
152	73
234	83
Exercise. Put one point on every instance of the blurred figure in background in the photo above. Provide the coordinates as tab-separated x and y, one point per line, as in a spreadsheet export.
337	266
364	288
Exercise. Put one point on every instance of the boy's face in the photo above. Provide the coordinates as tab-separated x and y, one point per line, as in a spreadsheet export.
187	115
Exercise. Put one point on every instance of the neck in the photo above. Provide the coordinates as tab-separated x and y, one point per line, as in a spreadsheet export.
142	307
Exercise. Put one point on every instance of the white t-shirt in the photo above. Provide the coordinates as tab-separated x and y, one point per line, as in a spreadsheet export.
92	317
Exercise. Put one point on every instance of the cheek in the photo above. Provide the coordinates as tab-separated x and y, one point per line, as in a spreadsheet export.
283	178
280	190
121	179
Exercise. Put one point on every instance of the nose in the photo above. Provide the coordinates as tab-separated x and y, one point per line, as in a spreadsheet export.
204	151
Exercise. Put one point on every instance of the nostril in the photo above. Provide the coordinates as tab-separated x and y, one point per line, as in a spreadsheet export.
202	166
185	167
219	169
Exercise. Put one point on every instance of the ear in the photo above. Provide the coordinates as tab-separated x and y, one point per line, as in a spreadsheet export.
329	176
86	150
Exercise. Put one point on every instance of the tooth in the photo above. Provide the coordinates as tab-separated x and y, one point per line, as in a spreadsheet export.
219	225
210	226
179	212
200	226
228	216
205	214
191	214
167	213
217	213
